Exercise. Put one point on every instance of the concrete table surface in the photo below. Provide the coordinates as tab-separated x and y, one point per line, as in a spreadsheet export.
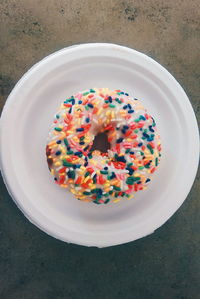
163	265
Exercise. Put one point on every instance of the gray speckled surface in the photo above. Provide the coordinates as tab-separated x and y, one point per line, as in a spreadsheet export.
163	265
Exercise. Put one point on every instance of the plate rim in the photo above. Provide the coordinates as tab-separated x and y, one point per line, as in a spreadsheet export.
10	99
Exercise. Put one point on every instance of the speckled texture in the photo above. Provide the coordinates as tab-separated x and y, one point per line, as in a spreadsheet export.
163	265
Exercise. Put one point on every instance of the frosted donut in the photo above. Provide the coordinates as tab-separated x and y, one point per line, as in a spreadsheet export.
125	168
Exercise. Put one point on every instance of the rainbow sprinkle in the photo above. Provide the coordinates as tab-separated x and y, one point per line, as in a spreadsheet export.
128	165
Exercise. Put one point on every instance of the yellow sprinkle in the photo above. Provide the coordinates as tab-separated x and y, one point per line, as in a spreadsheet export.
108	113
51	143
52	171
64	186
139	107
116	200
99	111
57	163
86	179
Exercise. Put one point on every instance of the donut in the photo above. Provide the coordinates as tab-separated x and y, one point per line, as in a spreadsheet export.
117	173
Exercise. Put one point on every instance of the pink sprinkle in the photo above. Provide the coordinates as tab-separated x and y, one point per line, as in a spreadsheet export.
127	145
101	201
78	96
72	143
118	176
128	191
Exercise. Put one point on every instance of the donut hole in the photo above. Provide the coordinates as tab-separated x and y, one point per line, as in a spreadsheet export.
101	143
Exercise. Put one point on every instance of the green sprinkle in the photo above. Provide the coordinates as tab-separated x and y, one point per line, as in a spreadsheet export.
71	174
86	193
137	120
96	201
130	180
92	90
57	129
147	165
66	142
141	153
82	138
106	194
94	191
106	101
145	130
86	107
118	100
150	148
141	167
156	162
86	93
129	164
136	131
70	152
103	172
107	200
110	192
127	150
57	116
67	164
116	188
116	194
87	173
112	106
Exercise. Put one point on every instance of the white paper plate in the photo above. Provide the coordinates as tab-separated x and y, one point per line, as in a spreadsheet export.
25	122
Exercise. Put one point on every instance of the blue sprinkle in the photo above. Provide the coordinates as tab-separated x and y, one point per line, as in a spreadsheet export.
131	111
106	168
87	120
58	142
80	130
110	99
140	144
126	94
73	101
119	140
129	106
80	102
125	127
125	107
78	153
151	129
142	117
90	105
147	180
86	148
70	110
145	135
132	153
131	171
58	153
135	99
124	131
82	143
86	164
